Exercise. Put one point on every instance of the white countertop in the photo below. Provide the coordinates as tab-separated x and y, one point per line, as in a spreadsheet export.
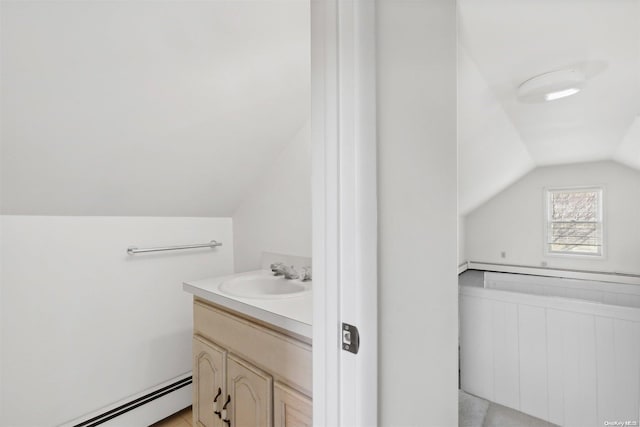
293	314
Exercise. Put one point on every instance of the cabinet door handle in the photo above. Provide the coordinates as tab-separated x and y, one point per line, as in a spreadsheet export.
227	402
226	420
215	403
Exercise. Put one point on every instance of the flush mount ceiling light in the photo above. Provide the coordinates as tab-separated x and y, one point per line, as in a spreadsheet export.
551	86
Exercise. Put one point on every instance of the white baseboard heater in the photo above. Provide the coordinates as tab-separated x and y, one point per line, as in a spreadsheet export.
142	409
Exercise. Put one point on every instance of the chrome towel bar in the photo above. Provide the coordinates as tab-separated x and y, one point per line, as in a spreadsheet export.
212	244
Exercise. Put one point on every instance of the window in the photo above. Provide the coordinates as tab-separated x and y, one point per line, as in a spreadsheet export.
574	221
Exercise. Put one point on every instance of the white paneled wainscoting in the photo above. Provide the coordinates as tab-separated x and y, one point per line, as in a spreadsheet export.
563	350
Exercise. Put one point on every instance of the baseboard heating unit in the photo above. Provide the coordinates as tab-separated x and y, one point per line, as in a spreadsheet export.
142	409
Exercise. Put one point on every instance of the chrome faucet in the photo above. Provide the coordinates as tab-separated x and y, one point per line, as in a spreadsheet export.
279	269
305	274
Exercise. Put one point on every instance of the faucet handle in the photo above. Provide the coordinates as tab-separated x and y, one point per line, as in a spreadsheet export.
305	273
277	268
290	273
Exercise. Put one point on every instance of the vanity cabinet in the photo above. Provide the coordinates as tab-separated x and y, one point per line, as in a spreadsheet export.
247	374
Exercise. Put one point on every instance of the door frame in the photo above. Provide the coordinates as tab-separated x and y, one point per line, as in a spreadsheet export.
344	200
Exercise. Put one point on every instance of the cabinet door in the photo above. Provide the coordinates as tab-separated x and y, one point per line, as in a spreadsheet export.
251	395
208	380
291	409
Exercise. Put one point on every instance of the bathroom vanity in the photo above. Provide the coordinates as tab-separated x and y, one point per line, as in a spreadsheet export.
252	361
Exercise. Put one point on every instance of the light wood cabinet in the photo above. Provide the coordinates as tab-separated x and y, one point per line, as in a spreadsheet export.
208	382
254	376
250	391
291	409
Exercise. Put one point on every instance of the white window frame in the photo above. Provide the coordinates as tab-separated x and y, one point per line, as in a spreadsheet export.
547	215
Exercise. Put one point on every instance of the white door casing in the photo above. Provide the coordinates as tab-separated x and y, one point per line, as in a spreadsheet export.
343	128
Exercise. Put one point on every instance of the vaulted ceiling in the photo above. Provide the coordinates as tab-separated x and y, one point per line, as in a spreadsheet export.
502	43
175	108
156	108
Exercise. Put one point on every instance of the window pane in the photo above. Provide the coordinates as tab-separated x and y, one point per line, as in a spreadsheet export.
574	206
570	249
574	223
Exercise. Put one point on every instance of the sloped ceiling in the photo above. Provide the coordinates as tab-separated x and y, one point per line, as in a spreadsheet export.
492	153
160	108
506	42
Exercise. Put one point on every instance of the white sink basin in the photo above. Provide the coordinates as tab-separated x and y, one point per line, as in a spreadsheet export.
264	286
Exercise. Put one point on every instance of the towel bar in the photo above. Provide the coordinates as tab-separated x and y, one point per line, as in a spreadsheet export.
134	250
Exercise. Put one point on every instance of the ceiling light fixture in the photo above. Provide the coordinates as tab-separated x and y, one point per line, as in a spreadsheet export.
561	94
552	86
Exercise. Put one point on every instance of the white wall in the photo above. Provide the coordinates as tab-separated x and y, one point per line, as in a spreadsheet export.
418	300
628	152
513	221
462	254
83	323
276	215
